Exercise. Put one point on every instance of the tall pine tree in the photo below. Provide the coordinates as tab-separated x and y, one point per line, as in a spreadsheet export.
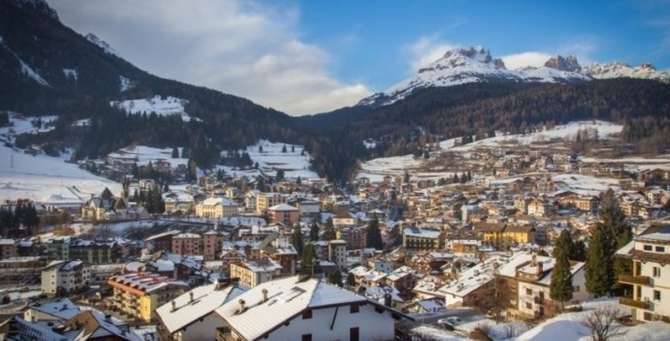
297	239
374	236
561	278
314	232
307	264
599	266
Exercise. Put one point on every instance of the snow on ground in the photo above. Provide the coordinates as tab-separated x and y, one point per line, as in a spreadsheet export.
40	177
125	83
71	73
144	154
162	106
271	159
566	131
584	184
376	169
570	326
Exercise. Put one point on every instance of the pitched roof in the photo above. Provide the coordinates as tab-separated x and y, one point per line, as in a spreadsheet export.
285	298
206	299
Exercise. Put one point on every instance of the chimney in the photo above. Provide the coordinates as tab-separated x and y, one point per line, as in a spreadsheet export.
174	305
539	268
265	294
533	261
388	299
190	295
242	307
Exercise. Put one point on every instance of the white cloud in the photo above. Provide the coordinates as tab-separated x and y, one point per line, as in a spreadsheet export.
426	50
523	59
236	46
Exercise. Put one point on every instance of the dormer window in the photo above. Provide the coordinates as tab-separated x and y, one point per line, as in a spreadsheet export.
647	248
660	249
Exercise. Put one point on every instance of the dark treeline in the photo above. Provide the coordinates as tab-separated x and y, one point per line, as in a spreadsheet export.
19	221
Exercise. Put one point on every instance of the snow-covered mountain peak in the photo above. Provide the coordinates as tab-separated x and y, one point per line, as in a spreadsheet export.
568	63
463	57
621	70
100	43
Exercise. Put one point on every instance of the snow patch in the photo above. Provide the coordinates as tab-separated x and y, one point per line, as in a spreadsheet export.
71	73
159	105
125	84
144	154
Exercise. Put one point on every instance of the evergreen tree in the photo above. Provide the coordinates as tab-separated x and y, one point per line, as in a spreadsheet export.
260	149
314	232
297	239
578	253
292	149
175	152
307	264
335	277
283	149
561	277
599	266
374	236
329	231
280	175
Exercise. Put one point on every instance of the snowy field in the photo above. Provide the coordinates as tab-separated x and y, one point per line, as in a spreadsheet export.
566	131
271	159
162	106
43	178
584	184
564	327
145	154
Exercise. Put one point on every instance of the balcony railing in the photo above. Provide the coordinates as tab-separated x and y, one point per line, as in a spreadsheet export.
630	279
634	303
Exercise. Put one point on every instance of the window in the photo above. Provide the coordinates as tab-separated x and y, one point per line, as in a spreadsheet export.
657	295
307	337
353	334
529	305
657	271
660	249
529	291
353	308
647	316
647	248
307	314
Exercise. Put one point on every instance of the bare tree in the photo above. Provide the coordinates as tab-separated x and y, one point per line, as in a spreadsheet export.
603	324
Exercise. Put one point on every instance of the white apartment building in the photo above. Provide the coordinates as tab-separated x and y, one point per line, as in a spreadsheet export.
650	280
62	277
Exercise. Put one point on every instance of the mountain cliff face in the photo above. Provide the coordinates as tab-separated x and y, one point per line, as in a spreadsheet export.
476	65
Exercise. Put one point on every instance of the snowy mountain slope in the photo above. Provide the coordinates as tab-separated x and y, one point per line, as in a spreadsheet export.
457	66
620	70
476	65
159	105
40	177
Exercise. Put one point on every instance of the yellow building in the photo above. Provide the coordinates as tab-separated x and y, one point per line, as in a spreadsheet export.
137	295
503	235
216	208
267	200
253	273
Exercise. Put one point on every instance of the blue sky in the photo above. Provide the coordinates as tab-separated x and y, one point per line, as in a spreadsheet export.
370	39
310	56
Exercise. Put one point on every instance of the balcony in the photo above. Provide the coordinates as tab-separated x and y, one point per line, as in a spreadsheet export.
635	303
639	280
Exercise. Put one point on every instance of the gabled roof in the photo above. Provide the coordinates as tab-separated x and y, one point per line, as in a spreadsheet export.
61	308
206	299
285	299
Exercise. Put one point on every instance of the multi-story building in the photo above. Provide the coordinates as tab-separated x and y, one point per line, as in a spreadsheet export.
527	280
254	272
216	207
162	241
212	244
295	309
7	248
284	214
63	277
422	239
137	295
337	252
650	278
95	252
265	200
355	236
188	244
